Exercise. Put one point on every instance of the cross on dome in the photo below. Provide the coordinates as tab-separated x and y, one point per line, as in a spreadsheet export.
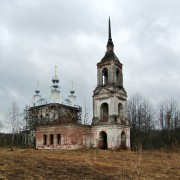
37	91
55	79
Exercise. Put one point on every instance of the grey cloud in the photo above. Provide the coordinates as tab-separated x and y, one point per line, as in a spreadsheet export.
36	35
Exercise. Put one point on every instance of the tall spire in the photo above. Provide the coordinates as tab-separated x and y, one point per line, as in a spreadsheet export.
110	39
110	44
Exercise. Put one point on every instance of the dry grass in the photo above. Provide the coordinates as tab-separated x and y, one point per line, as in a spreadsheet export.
85	164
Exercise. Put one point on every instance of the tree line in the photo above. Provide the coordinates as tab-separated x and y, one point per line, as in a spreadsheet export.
153	127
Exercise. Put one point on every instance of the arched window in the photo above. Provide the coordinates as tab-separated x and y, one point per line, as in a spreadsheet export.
104	112
117	76
105	76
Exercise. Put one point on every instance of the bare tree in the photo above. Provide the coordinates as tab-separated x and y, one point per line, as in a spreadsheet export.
141	119
86	115
168	115
1	125
14	119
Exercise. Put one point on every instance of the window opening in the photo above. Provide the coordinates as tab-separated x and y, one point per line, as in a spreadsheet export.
105	76
120	110
104	112
59	139
117	75
51	139
44	139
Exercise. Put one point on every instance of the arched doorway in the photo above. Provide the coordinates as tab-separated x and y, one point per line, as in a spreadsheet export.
123	140
102	140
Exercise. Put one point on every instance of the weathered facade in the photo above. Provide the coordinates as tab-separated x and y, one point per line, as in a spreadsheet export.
69	136
58	121
109	124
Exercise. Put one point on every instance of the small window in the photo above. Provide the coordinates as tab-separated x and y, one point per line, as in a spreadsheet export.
59	139
117	75
44	139
51	139
105	76
120	108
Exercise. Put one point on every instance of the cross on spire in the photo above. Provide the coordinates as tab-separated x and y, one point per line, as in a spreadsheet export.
55	70
37	84
37	91
72	84
72	90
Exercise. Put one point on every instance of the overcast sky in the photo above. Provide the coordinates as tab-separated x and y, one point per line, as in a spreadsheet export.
36	35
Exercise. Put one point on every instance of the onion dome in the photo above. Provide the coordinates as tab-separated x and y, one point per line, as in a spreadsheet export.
37	91
55	88
55	79
72	90
55	85
72	97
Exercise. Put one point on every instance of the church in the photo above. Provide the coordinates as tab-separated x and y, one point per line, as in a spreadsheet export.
58	121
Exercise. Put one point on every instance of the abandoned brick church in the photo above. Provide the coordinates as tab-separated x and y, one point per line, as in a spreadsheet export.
59	121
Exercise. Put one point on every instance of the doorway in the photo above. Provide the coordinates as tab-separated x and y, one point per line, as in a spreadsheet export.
102	140
123	140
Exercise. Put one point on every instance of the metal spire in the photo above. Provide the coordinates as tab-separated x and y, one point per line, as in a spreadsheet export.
110	44
110	39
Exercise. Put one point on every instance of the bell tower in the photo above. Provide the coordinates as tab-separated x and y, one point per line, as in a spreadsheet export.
109	96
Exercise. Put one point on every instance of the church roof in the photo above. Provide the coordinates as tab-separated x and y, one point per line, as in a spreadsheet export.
110	55
44	101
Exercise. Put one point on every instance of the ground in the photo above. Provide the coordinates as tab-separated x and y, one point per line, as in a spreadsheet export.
87	164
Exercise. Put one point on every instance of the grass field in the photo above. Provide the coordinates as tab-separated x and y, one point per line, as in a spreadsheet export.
87	164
